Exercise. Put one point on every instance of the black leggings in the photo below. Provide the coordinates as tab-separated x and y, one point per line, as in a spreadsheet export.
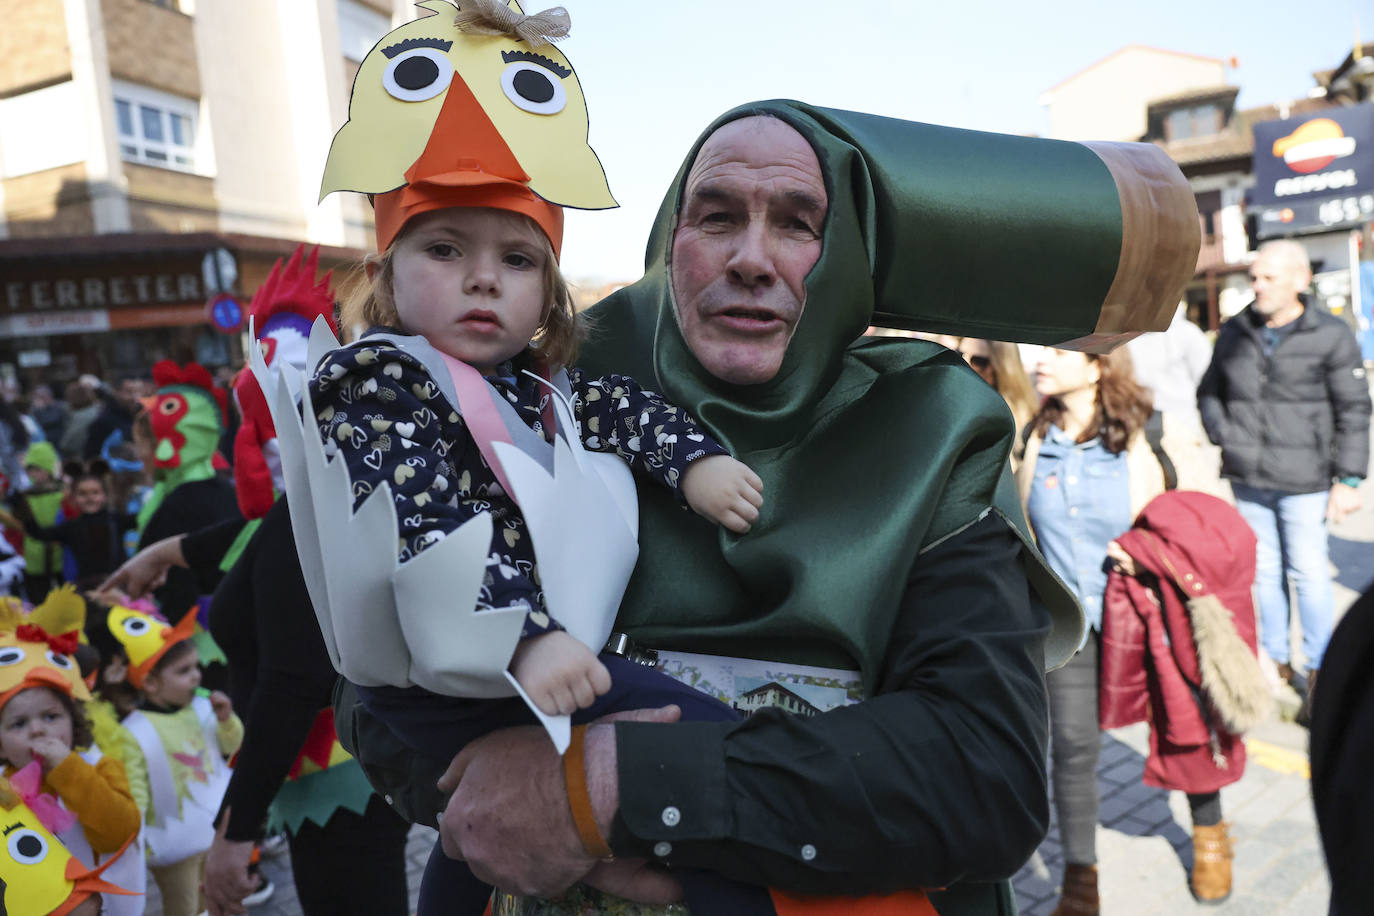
1076	741
355	865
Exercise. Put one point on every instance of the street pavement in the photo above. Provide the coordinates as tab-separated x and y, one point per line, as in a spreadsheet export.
1144	835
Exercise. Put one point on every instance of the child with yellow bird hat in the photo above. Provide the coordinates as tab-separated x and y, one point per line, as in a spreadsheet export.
182	739
50	758
467	315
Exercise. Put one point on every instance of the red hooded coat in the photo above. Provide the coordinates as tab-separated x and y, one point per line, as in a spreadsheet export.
1189	548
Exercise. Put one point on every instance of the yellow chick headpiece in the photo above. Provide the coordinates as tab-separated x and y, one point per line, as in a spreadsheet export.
146	638
469	114
36	648
40	877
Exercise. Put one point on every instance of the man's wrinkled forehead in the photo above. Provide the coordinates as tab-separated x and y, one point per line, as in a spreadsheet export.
760	147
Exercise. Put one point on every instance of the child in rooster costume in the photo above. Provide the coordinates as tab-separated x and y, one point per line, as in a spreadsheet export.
78	794
187	415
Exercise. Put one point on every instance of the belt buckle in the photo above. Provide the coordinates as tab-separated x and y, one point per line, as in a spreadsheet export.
622	645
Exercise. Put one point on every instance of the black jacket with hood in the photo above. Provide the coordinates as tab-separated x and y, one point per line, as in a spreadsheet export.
1294	419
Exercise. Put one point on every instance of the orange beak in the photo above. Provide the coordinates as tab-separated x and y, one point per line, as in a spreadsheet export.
466	163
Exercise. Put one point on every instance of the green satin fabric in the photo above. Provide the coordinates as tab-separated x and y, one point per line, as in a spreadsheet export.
870	449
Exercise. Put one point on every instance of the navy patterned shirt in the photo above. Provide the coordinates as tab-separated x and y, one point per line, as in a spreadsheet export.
386	415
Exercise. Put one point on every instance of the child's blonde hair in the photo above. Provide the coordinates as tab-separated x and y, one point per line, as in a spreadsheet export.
368	301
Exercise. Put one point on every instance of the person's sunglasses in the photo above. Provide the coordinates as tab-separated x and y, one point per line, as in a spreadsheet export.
981	363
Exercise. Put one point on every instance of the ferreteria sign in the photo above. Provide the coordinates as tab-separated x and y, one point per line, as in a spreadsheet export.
1315	172
46	286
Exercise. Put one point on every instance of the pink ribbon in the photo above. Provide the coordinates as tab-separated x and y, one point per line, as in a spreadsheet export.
47	809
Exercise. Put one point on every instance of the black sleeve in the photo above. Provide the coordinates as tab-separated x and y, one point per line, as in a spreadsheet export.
207	546
1348	389
288	677
1211	393
939	778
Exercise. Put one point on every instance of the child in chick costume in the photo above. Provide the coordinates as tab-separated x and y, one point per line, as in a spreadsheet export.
51	760
183	741
443	402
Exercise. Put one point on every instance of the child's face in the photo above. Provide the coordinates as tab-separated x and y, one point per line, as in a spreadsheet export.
89	496
471	281
32	717
39	477
174	685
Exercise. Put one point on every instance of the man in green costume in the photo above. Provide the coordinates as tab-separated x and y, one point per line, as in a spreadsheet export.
890	541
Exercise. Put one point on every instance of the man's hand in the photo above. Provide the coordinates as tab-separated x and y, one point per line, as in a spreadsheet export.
509	817
560	674
227	880
146	570
723	490
220	703
49	752
1342	501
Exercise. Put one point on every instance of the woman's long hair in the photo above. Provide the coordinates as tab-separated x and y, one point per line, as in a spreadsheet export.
1122	405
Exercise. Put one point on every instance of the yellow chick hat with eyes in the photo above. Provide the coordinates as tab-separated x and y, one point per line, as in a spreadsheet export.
36	649
146	638
472	106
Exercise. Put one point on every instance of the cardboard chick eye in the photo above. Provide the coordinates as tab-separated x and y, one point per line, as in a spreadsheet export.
459	107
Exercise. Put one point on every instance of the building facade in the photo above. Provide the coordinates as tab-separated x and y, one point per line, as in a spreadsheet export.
1184	104
155	153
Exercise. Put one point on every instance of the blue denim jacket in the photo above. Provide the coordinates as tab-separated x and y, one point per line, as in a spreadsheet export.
1079	501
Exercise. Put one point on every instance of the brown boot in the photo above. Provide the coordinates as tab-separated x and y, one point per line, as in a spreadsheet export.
1211	881
1080	892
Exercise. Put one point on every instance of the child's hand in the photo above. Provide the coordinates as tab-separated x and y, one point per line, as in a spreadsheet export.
219	702
560	674
725	491
49	752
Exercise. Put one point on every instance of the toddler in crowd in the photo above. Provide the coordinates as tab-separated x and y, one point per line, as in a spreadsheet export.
49	753
95	536
182	739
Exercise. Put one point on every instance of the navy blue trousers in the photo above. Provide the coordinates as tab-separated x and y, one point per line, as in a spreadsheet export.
439	727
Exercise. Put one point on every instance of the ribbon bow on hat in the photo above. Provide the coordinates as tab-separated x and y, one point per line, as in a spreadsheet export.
60	643
494	17
48	810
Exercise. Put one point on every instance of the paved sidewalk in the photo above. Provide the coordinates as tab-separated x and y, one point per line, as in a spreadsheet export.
1144	837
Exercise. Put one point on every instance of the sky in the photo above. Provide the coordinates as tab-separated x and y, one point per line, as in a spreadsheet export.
656	73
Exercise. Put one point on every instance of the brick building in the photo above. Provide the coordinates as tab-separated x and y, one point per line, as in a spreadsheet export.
155	152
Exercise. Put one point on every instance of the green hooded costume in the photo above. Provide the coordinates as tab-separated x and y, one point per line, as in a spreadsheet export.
887	487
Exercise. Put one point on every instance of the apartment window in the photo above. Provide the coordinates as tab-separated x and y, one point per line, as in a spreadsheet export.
156	128
1189	123
360	27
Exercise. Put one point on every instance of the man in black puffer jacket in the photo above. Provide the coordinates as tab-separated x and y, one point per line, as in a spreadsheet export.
1287	400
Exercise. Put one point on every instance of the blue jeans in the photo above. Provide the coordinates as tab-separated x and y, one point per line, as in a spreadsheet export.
1291	530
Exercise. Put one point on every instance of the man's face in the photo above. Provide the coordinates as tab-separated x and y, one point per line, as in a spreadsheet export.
748	234
1277	280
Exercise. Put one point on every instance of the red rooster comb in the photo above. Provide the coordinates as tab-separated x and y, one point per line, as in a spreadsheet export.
293	290
166	372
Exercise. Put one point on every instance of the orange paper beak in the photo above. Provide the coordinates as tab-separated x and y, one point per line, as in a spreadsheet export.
466	163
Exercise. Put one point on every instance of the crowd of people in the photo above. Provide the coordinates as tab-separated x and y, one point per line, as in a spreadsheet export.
954	591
